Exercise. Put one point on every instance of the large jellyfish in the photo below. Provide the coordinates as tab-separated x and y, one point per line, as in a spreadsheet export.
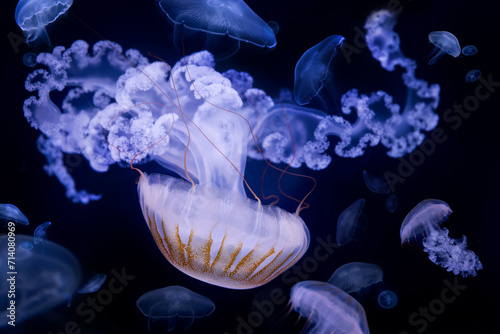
445	43
32	16
178	305
328	308
189	119
354	276
422	227
44	276
225	23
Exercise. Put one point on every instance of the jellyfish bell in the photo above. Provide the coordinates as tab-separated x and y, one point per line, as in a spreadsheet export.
10	213
354	276
469	50
350	224
445	43
472	75
222	25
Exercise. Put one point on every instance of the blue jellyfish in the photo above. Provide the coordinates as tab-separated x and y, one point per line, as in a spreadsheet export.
445	43
178	305
328	308
347	224
472	75
469	50
32	16
353	276
29	59
376	184
387	299
391	203
10	213
312	70
41	232
422	227
44	278
225	23
93	284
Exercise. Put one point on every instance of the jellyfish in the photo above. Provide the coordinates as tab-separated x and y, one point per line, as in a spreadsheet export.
387	299
422	227
375	184
347	224
93	284
10	213
44	278
313	69
225	23
328	308
353	276
472	75
41	232
391	203
469	50
178	305
32	16
29	59
445	43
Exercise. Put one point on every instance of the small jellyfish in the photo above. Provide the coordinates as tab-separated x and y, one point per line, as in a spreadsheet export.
387	299
93	284
312	69
347	224
225	23
29	59
178	305
391	203
472	75
328	308
376	184
45	277
445	43
469	50
354	276
32	16
41	232
422	227
10	213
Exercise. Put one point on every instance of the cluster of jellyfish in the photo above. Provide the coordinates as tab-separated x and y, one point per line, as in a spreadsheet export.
121	108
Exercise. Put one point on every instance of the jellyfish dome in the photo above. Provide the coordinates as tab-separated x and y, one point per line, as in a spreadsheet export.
46	275
445	43
328	308
32	16
354	276
422	226
10	212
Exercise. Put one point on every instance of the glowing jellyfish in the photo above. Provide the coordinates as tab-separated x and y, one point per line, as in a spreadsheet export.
46	277
179	306
93	284
10	213
472	75
347	224
422	227
376	184
312	69
328	308
32	16
469	50
391	203
225	23
29	59
41	232
445	43
353	276
387	299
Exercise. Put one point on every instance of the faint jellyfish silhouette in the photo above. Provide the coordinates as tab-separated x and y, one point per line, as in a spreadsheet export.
387	299
45	277
32	16
469	50
422	227
41	232
472	75
328	308
375	184
93	284
179	306
347	224
29	59
445	43
312	70
353	276
223	24
391	203
9	212
275	27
